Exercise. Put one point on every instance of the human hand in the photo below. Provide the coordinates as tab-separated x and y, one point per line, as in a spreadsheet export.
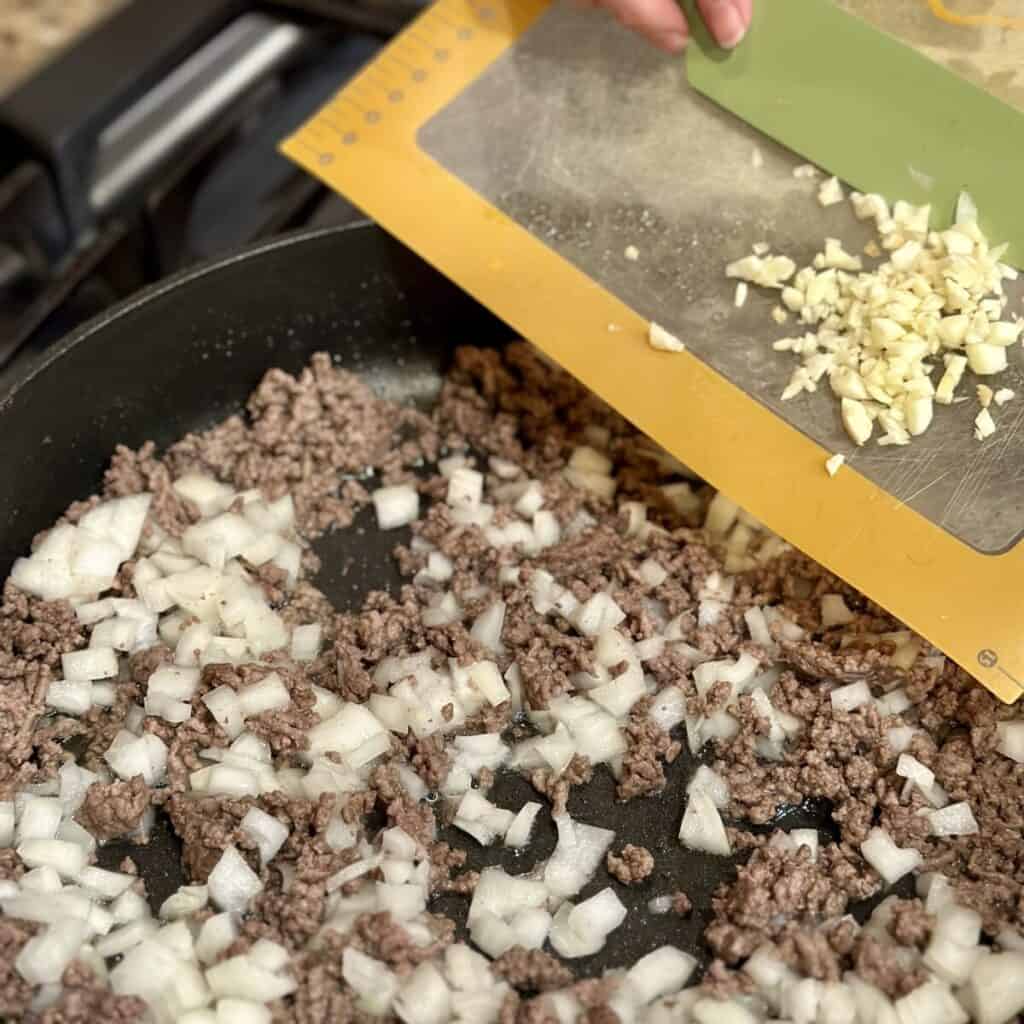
663	23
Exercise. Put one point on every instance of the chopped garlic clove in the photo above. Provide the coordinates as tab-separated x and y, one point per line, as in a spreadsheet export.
847	383
779	315
1003	395
660	339
870	207
741	294
986	360
966	210
830	192
984	425
833	463
805	171
770	272
632	253
950	379
918	415
856	420
985	395
793	299
1003	333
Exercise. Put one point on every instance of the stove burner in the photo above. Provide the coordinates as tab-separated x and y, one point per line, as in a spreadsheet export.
122	163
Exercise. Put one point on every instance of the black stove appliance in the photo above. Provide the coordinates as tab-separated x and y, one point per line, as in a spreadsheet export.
150	144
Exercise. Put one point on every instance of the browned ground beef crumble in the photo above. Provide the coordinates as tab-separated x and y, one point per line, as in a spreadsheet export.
310	436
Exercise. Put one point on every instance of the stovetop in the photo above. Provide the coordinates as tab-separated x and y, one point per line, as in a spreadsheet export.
150	144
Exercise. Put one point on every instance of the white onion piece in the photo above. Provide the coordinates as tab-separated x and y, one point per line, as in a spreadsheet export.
43	878
769	973
232	883
582	930
660	973
505	895
889	860
995	989
44	957
396	506
374	982
127	937
953	949
834	611
518	833
90	664
933	1003
953	820
555	750
189	899
424	997
466	969
713	1011
465	488
577	855
70	697
208	495
269	694
850	697
191	643
226	709
757	626
243	977
306	642
173	682
1011	740
231	1011
40	818
711	783
267	832
344	732
487	628
598	614
67	859
668	708
702	827
6	823
215	935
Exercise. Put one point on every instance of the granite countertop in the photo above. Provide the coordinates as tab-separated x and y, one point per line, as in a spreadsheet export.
991	57
33	30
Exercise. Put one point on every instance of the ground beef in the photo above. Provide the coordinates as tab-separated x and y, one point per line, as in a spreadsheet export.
531	970
911	924
777	886
428	758
648	746
633	865
112	810
85	999
310	435
681	903
305	435
15	992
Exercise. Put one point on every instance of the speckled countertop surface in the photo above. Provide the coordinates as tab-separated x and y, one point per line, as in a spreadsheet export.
33	30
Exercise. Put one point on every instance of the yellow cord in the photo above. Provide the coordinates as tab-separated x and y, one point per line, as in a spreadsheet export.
940	10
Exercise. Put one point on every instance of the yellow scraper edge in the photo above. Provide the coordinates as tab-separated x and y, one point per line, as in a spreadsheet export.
363	144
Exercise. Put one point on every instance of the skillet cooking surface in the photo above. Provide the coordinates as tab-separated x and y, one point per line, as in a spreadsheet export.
186	354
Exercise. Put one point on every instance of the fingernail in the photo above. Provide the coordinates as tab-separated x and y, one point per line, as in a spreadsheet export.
726	23
673	41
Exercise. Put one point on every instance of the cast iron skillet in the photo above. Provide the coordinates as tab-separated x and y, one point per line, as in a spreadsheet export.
185	354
